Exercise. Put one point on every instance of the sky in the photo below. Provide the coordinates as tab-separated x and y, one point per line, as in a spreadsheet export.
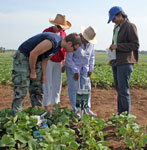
22	19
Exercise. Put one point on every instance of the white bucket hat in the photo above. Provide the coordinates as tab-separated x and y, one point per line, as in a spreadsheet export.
89	34
61	21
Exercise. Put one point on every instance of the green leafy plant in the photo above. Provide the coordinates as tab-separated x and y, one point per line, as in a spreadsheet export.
134	135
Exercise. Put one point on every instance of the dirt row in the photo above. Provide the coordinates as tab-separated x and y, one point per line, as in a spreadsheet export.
103	101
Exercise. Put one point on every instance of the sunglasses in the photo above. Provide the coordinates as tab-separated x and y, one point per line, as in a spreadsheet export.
59	27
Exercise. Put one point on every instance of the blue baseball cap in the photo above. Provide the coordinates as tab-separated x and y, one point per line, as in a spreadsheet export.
113	11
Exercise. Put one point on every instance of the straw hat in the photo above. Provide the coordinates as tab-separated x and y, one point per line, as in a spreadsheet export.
61	21
89	34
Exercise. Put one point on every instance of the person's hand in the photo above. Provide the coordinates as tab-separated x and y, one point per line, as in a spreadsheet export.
110	62
63	69
33	75
76	76
112	47
89	73
43	78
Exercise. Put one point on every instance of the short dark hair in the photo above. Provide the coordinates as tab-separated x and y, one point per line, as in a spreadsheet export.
74	38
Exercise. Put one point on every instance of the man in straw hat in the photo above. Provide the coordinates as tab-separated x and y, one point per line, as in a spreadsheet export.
125	46
30	61
53	84
79	67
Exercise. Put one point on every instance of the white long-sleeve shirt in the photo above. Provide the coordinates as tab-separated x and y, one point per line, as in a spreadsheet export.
82	58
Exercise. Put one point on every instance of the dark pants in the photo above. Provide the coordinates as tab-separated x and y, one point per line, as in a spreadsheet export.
121	75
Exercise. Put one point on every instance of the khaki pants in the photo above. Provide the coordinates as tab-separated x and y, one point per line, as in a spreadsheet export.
22	83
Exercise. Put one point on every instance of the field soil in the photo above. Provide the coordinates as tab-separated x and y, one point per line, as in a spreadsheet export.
103	103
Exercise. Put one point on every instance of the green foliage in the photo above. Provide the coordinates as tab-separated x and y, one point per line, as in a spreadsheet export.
91	133
17	132
5	68
139	76
134	135
102	77
66	132
2	50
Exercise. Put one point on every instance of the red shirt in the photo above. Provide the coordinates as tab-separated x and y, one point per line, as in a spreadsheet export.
61	54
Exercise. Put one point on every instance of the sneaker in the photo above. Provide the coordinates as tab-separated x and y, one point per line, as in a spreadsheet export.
77	111
88	111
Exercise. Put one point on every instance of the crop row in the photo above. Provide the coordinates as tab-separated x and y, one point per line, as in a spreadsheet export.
102	77
65	132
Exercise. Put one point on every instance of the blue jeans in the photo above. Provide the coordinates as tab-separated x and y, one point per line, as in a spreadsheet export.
73	86
121	75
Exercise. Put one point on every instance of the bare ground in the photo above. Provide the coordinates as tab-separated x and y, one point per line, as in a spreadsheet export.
103	103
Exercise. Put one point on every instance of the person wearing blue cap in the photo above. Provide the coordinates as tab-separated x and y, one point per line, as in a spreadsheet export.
125	45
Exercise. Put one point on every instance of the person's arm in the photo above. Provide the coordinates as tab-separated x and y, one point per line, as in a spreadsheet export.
91	62
113	47
63	34
63	66
44	65
38	50
71	64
